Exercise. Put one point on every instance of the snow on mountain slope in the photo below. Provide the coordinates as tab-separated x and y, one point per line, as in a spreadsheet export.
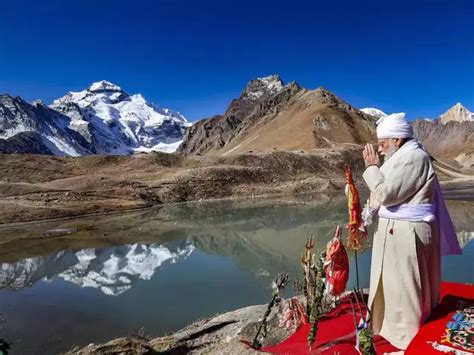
373	112
268	85
36	128
457	113
115	123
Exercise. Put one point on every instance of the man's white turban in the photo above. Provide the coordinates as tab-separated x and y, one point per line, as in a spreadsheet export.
394	126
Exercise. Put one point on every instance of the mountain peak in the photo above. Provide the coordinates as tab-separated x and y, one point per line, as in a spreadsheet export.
372	111
38	102
323	95
112	122
263	86
323	92
271	81
458	113
104	85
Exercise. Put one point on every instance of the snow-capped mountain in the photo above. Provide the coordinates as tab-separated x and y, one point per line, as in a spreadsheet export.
372	111
102	119
112	270
115	123
36	128
457	113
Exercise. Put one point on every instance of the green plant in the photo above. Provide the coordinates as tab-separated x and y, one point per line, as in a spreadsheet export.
317	308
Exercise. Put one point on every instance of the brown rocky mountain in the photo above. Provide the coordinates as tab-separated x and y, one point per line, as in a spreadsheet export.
270	115
452	141
450	137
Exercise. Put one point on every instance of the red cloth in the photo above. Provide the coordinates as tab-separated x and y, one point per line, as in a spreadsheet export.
435	326
337	267
336	331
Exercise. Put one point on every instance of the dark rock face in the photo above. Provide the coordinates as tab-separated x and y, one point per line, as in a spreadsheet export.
24	143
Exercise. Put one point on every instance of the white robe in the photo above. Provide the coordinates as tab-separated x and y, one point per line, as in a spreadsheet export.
406	262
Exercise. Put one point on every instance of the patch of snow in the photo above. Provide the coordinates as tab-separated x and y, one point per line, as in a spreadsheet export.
372	111
10	132
272	83
160	147
259	87
104	85
457	113
60	147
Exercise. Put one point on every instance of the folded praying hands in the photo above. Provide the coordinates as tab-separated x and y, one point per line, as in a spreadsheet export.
371	157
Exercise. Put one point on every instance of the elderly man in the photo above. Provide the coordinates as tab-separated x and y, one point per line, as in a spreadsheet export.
414	230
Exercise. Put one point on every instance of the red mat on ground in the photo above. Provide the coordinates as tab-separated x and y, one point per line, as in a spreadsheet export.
336	329
336	333
435	326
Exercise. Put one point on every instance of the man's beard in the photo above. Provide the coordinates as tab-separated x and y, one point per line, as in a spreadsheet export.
392	148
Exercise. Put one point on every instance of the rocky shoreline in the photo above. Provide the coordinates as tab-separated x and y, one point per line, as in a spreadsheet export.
221	334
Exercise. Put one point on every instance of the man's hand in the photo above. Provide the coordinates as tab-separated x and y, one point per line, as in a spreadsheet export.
370	156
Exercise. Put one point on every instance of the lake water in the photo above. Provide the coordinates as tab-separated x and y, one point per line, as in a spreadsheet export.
161	269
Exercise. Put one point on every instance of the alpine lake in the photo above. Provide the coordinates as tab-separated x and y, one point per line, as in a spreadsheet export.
78	281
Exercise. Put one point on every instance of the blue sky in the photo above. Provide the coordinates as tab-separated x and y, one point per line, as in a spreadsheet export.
195	56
